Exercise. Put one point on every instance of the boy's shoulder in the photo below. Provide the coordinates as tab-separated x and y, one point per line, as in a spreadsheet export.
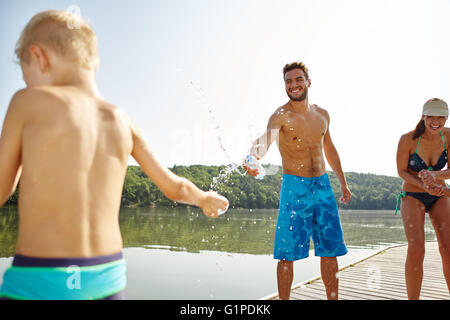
35	95
53	96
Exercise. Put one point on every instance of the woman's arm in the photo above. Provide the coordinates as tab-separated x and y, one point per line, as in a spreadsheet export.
429	177
402	163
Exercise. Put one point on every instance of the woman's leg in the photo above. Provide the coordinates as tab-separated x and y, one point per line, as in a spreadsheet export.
413	214
440	218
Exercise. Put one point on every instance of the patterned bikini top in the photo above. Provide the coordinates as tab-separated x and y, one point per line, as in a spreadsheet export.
417	164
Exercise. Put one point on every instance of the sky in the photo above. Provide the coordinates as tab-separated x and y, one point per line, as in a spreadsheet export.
201	78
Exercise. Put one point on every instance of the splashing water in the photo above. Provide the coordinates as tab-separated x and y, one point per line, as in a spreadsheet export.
225	173
232	167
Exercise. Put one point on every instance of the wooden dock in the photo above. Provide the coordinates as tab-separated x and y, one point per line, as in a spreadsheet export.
379	277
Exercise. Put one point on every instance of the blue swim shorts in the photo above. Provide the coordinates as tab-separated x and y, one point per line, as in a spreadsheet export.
92	278
307	208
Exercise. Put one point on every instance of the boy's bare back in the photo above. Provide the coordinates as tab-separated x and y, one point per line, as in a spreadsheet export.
70	148
75	149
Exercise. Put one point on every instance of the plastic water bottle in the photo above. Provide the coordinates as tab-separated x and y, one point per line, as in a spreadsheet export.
253	163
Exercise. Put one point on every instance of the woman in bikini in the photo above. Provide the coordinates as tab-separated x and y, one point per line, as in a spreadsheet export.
421	155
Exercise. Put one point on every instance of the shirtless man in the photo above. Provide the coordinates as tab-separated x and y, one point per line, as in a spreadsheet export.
307	203
70	149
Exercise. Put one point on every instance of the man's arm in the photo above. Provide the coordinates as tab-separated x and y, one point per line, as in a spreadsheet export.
11	146
172	186
262	144
334	161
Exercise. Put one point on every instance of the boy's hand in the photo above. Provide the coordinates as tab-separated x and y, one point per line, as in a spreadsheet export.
346	195
212	203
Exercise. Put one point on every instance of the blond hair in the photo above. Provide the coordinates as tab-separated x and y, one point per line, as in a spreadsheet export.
66	34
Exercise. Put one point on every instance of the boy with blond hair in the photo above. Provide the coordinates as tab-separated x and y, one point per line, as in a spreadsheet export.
69	148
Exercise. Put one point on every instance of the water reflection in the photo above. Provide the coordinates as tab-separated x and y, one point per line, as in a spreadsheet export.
237	231
374	229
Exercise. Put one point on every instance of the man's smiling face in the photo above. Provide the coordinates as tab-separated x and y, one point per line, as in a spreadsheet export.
296	84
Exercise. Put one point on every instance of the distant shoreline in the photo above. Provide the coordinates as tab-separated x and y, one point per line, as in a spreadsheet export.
369	191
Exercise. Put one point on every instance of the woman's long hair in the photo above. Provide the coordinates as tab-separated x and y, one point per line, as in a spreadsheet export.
420	129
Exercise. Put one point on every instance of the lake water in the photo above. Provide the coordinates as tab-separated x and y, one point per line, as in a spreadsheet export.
178	253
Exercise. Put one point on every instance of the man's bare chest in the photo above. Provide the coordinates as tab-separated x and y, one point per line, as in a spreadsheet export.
306	129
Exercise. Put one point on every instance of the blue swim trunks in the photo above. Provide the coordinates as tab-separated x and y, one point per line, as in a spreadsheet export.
307	208
92	278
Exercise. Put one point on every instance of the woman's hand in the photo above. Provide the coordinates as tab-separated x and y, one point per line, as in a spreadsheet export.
435	189
429	182
428	177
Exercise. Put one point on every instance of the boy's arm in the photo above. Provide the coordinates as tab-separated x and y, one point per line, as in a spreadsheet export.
10	146
172	186
333	159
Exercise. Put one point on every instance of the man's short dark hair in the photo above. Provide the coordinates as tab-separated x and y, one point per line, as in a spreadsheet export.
296	65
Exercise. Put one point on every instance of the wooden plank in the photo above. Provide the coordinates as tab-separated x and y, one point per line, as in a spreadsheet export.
388	266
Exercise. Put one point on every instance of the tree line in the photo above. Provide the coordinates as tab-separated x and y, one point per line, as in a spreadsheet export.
369	191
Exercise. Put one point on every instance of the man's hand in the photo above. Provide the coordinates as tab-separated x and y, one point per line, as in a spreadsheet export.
346	195
212	203
252	172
